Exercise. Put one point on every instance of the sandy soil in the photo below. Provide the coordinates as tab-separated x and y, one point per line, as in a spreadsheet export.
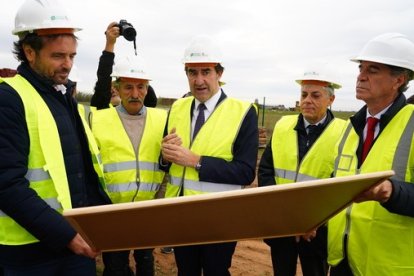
252	257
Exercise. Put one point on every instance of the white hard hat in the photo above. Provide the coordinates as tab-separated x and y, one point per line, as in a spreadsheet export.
202	49
42	14
130	67
391	48
320	74
74	74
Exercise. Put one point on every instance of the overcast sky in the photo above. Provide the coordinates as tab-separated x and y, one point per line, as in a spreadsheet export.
266	44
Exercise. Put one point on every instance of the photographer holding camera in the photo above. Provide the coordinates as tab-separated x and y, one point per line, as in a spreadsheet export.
105	92
117	263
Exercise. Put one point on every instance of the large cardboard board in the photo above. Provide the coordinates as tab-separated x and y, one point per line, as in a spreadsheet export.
274	211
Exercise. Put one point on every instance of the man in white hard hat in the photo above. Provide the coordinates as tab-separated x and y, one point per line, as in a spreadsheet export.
129	138
45	159
211	146
374	236
300	150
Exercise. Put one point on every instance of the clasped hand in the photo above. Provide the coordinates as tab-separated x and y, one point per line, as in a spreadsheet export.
173	151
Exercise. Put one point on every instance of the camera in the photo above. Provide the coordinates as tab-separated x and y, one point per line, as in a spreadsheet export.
127	30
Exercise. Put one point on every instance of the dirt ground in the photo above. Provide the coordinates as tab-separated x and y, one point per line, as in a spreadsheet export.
252	258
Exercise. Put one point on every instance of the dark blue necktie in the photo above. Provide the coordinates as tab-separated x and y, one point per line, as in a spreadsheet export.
311	129
200	119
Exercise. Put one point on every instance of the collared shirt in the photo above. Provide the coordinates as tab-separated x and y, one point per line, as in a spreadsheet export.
306	123
210	105
61	88
378	116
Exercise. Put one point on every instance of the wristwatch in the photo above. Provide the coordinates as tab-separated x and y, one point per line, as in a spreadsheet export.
197	167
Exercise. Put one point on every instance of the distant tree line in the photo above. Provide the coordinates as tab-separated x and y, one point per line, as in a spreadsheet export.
83	97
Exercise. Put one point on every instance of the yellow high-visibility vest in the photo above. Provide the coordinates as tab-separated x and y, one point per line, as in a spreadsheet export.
127	178
318	162
46	168
379	242
211	140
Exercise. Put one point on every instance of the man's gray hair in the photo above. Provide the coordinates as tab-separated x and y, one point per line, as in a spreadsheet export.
396	71
330	90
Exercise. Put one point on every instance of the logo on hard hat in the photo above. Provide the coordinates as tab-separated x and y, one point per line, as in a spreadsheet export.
198	55
59	17
312	73
136	71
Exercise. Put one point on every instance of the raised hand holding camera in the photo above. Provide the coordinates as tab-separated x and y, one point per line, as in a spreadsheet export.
126	30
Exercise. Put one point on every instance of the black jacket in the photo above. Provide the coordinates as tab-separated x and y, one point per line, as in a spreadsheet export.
16	198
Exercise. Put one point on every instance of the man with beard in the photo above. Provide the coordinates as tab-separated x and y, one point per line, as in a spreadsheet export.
45	159
129	137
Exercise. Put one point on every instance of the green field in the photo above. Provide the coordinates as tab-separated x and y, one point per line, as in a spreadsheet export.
272	116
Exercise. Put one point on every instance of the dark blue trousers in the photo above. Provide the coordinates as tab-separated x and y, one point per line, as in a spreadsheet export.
209	259
313	255
117	263
65	266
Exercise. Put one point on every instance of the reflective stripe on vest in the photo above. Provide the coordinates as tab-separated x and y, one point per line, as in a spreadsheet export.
115	187
207	187
132	186
384	239
85	111
341	156
130	165
208	142
293	175
400	164
126	178
37	175
318	162
46	168
52	202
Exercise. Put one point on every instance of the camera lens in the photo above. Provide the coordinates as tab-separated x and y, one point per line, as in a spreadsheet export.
129	33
